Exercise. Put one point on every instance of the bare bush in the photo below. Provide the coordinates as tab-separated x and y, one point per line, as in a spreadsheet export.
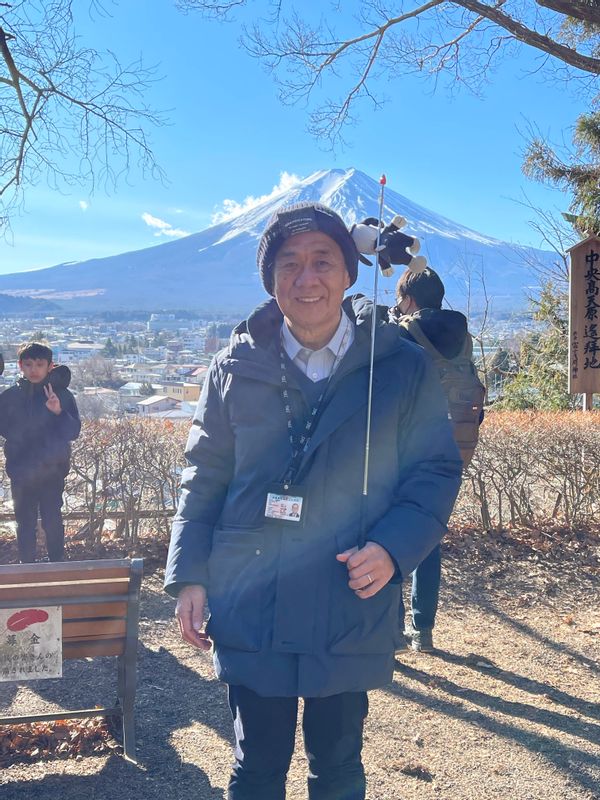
126	467
531	467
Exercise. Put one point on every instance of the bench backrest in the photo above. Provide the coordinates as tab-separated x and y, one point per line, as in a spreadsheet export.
99	599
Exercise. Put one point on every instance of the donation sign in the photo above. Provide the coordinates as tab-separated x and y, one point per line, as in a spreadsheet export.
30	643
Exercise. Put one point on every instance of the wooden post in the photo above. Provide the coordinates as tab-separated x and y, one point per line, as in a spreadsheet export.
584	320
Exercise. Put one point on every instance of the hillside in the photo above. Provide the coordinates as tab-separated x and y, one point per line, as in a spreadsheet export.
24	305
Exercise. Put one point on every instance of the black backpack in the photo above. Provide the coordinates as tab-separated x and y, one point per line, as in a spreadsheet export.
464	390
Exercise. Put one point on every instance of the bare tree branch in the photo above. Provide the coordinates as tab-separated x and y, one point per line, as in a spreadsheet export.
68	115
12	69
556	236
458	39
378	33
212	8
531	37
584	11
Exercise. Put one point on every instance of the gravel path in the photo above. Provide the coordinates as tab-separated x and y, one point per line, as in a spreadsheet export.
507	707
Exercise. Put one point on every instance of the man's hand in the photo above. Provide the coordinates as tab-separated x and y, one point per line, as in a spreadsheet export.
52	401
369	568
190	616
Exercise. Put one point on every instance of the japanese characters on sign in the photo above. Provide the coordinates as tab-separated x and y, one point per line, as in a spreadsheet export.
30	643
584	317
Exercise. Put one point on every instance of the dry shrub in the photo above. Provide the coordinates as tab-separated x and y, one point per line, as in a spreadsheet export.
531	467
125	465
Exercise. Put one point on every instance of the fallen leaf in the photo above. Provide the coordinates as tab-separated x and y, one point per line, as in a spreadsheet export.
417	771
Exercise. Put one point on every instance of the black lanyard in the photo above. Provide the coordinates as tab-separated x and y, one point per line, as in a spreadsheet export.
300	441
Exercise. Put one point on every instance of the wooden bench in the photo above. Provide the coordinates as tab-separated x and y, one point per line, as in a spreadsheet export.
100	612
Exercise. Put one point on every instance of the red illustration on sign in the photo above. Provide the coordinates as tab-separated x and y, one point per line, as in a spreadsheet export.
23	619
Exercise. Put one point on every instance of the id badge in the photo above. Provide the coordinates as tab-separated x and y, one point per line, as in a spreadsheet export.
286	503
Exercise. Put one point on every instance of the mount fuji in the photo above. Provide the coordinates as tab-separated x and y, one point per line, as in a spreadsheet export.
215	270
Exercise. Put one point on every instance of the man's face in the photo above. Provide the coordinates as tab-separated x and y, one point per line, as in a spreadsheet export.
34	369
310	279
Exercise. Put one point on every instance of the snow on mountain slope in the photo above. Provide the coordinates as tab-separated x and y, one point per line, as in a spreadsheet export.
215	269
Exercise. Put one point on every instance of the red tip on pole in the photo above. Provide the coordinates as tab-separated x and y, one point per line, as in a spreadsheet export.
383	180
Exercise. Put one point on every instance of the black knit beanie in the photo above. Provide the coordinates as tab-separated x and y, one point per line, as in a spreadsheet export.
298	218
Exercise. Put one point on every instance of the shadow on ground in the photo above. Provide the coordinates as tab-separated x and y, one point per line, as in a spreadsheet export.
512	720
164	704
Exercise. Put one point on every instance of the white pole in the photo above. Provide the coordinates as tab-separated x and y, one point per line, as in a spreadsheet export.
382	182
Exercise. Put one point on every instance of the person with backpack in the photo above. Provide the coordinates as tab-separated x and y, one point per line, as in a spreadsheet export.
444	335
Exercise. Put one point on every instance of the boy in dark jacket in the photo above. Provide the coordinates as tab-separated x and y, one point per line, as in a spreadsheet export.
419	297
38	420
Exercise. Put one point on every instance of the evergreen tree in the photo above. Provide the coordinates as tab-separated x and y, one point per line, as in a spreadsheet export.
579	171
109	349
146	389
541	380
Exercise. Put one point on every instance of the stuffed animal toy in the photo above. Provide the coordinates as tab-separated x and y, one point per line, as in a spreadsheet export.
395	247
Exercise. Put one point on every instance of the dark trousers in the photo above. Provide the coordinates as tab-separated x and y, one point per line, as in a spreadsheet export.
47	496
425	591
264	742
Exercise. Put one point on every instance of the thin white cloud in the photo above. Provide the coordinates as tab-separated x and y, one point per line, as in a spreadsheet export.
231	208
176	232
163	228
155	222
83	205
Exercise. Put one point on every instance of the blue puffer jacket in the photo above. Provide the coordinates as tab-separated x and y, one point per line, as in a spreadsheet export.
283	619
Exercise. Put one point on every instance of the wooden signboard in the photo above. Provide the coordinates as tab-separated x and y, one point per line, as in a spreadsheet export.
584	317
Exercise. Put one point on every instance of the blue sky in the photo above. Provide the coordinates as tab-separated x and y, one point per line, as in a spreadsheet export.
229	138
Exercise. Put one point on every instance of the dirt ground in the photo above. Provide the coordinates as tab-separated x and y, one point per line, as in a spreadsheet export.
508	706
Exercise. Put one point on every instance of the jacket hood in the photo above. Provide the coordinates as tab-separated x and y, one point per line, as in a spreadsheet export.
59	377
445	329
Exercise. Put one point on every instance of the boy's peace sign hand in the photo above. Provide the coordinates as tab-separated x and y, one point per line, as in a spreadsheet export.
52	401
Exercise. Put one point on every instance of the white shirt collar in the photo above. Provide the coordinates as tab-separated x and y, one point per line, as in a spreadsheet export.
292	346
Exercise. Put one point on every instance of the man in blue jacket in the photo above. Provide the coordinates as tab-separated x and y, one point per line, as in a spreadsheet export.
307	606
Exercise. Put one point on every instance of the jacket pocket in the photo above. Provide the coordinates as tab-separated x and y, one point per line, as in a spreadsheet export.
236	580
361	626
